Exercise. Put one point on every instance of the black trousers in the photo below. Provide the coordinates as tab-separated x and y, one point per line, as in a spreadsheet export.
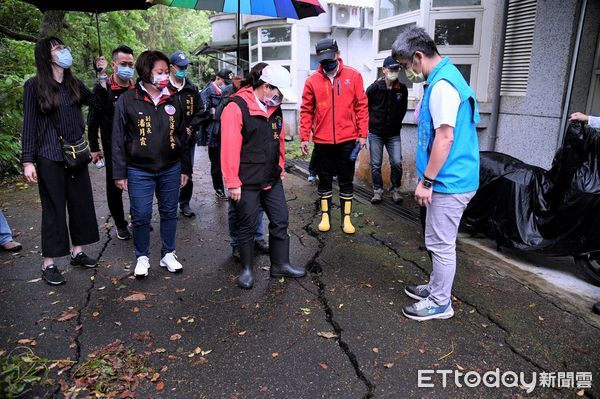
185	194
114	195
214	154
62	190
331	160
275	206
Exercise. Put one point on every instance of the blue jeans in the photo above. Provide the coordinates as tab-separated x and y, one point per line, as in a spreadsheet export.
393	146
5	233
142	185
234	229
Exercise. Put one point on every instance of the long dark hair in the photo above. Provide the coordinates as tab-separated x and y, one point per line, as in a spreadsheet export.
253	78
48	87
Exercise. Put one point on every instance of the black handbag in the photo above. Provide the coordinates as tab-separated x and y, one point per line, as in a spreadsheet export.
76	155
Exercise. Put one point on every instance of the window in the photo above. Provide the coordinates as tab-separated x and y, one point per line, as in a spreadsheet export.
276	35
276	53
389	35
390	8
454	25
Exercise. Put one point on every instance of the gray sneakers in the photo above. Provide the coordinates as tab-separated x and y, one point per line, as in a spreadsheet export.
397	197
377	196
426	309
417	292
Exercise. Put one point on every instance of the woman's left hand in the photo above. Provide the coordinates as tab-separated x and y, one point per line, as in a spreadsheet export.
184	180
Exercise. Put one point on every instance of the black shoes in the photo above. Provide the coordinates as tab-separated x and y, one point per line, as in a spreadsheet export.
220	194
52	275
123	233
280	260
261	246
187	212
81	259
235	253
246	277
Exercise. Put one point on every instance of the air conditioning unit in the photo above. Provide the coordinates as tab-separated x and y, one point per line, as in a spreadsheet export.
345	16
366	18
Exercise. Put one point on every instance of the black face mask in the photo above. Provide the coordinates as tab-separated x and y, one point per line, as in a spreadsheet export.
329	65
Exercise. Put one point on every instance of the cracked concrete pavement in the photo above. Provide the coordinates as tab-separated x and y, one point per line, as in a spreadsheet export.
264	342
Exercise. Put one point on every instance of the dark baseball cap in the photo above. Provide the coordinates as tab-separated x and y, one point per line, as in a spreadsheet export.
326	48
179	58
391	63
226	75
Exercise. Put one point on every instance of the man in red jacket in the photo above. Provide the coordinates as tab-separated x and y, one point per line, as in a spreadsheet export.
334	108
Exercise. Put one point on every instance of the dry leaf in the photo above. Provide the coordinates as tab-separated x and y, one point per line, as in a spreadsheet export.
67	315
179	290
264	389
540	318
198	350
422	350
242	333
274	355
340	306
96	314
175	337
127	394
459	367
324	366
155	377
160	386
159	350
306	311
388	365
326	334
24	341
35	280
136	297
376	350
135	309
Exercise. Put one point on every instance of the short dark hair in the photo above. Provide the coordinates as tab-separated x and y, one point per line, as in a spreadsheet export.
121	49
146	61
411	40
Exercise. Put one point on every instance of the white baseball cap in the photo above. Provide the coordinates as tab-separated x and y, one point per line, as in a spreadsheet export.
278	76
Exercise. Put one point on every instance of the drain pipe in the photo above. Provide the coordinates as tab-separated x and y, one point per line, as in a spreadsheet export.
567	103
499	66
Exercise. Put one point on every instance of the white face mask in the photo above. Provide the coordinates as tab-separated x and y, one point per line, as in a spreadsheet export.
392	75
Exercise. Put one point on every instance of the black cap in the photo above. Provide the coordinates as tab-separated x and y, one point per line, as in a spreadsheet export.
390	62
226	75
178	58
326	48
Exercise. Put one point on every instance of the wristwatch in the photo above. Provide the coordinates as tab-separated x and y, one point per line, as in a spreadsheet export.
427	182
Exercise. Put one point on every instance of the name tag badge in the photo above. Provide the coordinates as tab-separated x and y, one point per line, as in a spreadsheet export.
169	109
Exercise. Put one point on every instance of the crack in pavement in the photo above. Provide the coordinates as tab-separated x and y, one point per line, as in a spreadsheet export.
494	321
315	269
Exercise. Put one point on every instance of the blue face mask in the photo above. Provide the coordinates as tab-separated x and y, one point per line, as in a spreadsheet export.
64	58
125	72
181	74
329	65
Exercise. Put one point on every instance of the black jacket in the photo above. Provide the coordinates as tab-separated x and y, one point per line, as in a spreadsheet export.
102	119
387	107
190	100
148	137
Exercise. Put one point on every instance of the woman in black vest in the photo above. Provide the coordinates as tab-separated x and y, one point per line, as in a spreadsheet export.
252	160
52	103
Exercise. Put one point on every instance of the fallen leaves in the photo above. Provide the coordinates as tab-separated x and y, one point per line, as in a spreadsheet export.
142	336
67	315
324	366
388	365
27	341
160	386
135	297
449	353
175	337
327	334
306	311
376	350
242	333
135	309
95	314
275	355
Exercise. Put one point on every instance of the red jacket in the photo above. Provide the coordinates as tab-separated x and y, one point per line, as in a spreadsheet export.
231	136
334	113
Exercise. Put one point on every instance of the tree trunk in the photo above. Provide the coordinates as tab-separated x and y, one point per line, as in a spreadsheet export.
52	23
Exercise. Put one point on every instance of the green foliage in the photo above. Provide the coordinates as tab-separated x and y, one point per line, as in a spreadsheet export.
11	116
18	370
293	151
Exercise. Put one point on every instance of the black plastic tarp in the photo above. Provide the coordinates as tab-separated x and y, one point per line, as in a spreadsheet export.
554	212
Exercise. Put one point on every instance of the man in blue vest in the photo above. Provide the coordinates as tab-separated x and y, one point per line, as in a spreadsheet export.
447	163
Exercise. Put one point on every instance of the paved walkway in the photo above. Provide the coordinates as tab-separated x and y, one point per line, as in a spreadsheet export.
271	342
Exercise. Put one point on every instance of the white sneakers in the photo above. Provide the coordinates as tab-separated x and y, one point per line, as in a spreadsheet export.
142	266
169	261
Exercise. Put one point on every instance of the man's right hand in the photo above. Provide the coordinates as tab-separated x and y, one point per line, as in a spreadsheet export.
30	172
122	184
304	147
